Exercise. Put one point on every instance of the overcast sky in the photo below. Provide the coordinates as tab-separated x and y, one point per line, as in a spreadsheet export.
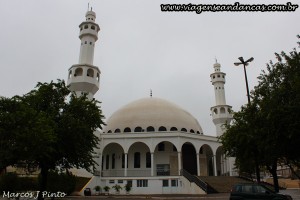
141	48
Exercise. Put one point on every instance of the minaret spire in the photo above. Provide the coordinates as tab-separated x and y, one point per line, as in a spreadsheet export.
221	113
84	77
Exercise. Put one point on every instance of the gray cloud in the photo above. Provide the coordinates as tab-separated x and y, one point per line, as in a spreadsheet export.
140	48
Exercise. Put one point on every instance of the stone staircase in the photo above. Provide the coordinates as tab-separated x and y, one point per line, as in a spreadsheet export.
222	184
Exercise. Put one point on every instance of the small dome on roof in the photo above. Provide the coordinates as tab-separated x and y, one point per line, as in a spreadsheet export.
151	115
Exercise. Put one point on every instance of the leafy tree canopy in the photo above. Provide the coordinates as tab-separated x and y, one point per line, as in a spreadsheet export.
266	131
49	127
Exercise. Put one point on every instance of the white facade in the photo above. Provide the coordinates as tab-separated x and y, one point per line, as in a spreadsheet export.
150	142
84	77
221	113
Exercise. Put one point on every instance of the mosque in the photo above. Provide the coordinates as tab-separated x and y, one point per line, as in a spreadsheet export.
151	144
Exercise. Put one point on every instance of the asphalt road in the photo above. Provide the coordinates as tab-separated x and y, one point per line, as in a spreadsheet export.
295	193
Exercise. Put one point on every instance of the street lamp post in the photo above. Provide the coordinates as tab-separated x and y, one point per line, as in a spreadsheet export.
245	63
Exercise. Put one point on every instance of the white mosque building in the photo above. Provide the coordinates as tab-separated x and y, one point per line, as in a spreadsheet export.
152	144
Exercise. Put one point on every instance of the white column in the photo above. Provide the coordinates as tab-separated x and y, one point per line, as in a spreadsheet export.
215	165
152	164
125	167
225	164
179	162
198	164
230	167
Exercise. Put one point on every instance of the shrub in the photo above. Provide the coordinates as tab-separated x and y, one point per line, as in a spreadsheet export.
117	188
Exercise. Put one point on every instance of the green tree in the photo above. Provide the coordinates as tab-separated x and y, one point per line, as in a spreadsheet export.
278	96
7	137
267	130
241	140
50	127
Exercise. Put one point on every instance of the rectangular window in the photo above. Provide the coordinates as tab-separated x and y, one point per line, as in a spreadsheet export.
137	160
107	161
120	181
148	160
113	161
111	181
165	183
174	183
142	183
123	160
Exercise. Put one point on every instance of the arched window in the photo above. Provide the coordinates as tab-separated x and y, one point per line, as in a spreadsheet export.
109	131
161	146
70	73
113	161
162	128
222	110
90	73
150	129
107	162
198	132
148	160
98	77
93	27
184	130
192	131
215	111
173	129
137	160
138	129
127	129
86	26
218	75
78	72
117	130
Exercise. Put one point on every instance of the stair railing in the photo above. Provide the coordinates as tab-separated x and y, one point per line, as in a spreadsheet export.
194	179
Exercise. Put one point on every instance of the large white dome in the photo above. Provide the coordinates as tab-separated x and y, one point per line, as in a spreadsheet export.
151	115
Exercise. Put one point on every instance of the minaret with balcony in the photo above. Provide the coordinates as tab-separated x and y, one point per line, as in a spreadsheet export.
221	112
84	77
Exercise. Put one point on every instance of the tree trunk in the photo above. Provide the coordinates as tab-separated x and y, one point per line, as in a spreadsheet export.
43	181
273	171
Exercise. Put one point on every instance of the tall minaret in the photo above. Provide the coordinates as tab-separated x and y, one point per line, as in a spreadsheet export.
84	77
221	113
